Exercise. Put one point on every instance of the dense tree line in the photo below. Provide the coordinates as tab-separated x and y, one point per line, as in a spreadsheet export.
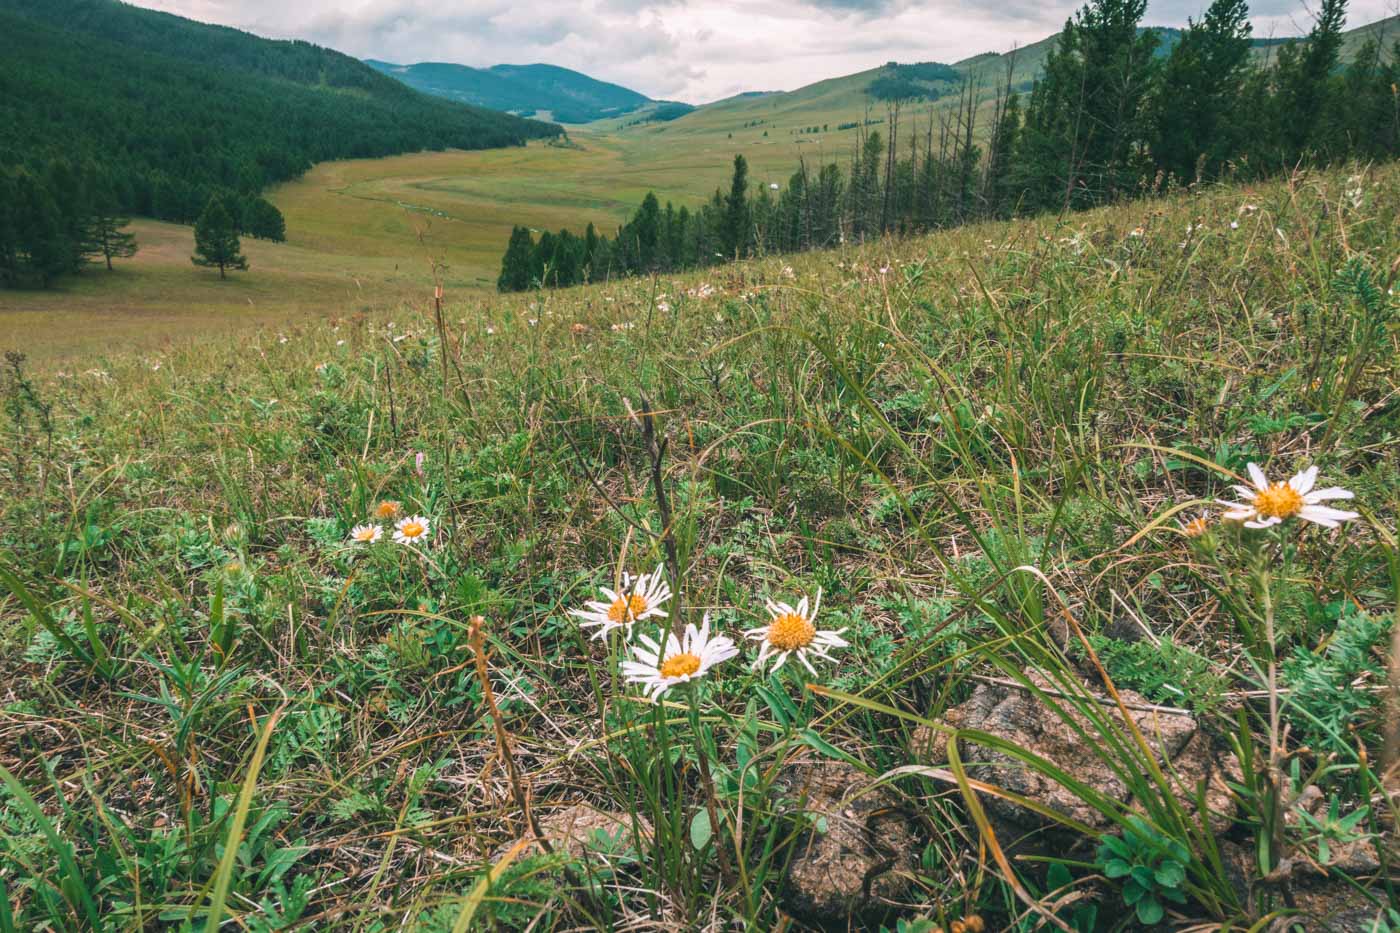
176	112
1109	116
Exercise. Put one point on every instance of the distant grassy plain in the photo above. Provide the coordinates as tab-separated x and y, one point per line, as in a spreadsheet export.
364	234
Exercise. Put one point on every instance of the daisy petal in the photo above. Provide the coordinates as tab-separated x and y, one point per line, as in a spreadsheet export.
1323	515
1331	492
1304	481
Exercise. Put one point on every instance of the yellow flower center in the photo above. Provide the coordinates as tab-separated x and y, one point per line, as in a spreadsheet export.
364	534
412	530
1280	500
790	631
387	509
1196	527
680	665
627	610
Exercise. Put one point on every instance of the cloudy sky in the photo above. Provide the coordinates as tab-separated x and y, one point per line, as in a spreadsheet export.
694	50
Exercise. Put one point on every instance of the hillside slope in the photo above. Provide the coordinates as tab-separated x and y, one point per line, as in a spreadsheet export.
962	442
846	99
569	96
172	109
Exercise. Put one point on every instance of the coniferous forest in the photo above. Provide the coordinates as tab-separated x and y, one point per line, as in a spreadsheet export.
108	111
1113	114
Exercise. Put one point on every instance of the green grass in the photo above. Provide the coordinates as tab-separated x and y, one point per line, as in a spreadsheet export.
900	425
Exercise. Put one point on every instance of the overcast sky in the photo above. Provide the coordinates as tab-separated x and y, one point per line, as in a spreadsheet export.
695	50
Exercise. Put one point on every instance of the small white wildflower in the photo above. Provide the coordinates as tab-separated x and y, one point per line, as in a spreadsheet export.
794	631
658	669
412	530
637	599
1266	504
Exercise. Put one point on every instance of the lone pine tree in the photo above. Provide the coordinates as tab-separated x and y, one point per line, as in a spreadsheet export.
104	235
216	239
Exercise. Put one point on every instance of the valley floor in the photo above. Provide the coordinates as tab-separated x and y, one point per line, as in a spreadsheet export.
364	234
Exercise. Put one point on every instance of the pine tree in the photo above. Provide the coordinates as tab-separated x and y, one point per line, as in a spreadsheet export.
1193	109
515	265
261	219
1084	129
1003	155
1304	78
43	248
590	250
105	236
734	234
216	239
9	229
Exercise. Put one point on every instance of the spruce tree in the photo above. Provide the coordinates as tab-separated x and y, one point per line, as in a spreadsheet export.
1004	152
9	229
642	236
216	239
734	233
515	265
590	249
43	247
1082	140
1304	78
1192	112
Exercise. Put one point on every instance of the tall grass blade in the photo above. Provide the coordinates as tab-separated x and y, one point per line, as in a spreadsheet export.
223	875
70	880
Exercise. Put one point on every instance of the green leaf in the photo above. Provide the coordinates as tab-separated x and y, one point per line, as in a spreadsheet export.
700	829
1150	911
1142	875
1116	868
1169	875
812	740
1118	847
41	615
780	705
1132	893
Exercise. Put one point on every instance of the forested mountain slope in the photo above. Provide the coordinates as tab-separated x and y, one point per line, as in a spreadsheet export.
569	96
172	109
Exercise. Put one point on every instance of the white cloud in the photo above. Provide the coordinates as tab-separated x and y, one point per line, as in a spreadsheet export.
696	50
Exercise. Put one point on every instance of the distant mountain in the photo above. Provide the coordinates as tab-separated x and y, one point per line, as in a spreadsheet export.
169	110
568	96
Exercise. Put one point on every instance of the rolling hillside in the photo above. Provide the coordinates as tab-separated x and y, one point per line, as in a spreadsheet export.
568	96
171	109
783	115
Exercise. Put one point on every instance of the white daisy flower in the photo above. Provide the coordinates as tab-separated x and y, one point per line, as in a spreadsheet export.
794	631
683	659
366	534
1266	504
639	598
412	529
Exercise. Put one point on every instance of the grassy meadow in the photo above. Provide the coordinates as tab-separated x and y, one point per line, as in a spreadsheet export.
984	449
365	234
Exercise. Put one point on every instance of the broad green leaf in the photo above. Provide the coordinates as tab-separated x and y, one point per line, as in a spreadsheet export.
700	829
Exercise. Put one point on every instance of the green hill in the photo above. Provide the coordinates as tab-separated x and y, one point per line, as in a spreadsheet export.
569	96
848	99
171	109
